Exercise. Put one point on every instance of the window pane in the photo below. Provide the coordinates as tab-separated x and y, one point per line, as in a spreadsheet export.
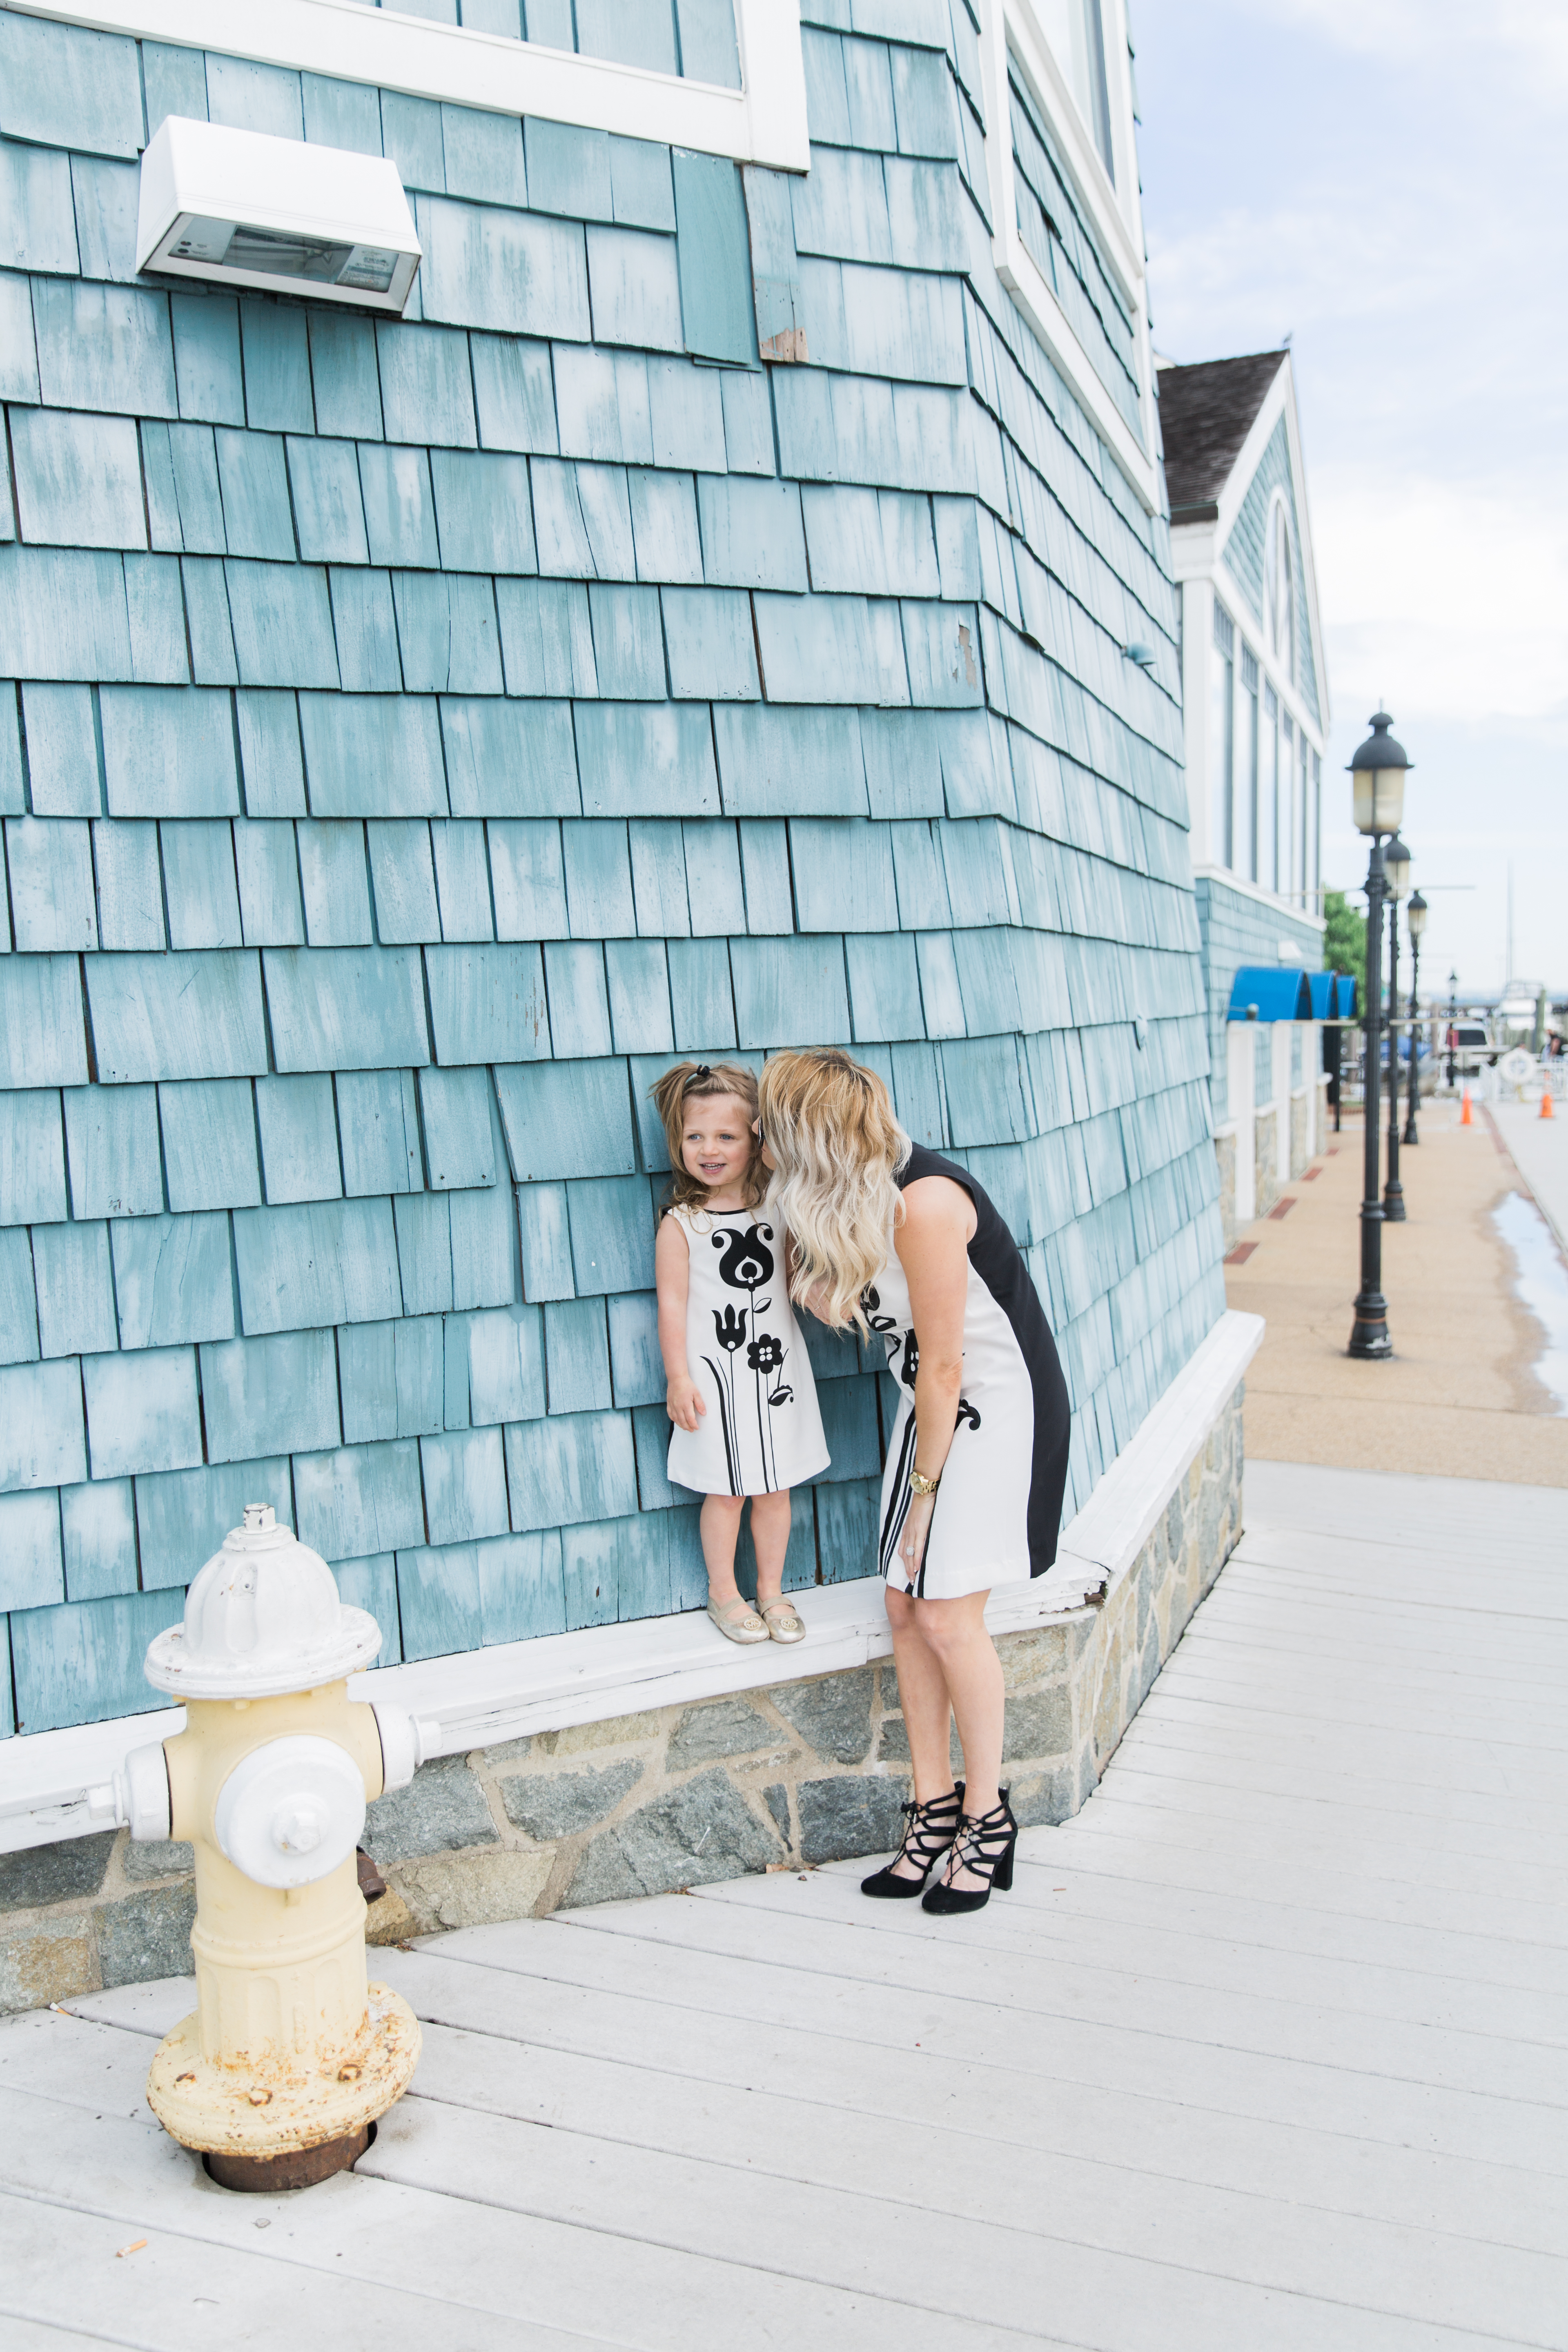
1244	836
1269	770
1221	756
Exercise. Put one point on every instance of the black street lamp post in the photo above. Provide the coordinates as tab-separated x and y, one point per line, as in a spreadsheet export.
1416	923
1377	779
1396	875
1453	1020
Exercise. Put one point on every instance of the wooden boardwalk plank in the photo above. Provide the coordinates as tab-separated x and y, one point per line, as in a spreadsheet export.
1266	2051
1200	2073
490	2261
1038	1924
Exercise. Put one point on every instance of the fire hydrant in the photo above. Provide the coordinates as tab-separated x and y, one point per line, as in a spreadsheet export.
290	2053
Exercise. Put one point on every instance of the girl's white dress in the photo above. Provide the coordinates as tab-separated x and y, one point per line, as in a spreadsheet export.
763	1429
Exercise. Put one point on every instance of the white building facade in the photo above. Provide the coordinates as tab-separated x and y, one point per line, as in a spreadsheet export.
1255	691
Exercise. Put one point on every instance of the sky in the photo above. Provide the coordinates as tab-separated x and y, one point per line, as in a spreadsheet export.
1383	181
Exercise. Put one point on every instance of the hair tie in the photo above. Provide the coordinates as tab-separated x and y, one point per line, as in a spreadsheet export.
702	1071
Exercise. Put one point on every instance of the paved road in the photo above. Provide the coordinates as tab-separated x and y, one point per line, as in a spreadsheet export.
1265	2052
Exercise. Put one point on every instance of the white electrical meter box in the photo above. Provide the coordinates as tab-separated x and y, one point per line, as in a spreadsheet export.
242	208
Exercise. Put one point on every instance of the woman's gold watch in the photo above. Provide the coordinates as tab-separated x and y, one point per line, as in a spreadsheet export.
922	1486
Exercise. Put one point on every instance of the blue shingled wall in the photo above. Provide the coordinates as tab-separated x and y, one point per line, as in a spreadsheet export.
424	729
1240	931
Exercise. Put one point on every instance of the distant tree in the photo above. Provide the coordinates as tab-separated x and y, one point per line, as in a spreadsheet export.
1344	941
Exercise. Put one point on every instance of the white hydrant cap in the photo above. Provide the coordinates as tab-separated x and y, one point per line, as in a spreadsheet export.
262	1618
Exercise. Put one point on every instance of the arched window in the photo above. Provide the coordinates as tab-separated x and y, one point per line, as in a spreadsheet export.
1279	590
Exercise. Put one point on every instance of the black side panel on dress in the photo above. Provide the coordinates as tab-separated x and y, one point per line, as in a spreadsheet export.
998	1261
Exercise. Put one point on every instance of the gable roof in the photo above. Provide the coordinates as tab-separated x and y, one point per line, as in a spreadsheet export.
1205	414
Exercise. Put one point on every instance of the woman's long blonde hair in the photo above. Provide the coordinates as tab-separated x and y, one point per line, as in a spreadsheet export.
830	1126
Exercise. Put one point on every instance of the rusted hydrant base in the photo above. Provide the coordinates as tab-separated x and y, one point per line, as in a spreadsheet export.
266	2176
257	2112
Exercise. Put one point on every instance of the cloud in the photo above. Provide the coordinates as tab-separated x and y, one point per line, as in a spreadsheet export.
1410	31
1452	597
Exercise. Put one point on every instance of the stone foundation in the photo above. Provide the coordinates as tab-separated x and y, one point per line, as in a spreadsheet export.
1224	1154
1266	1160
1300	1118
803	1772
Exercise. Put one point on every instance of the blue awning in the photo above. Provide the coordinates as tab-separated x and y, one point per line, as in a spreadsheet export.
1345	996
1270	993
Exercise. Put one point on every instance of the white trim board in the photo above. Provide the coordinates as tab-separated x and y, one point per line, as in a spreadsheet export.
1275	900
483	1696
761	122
1012	26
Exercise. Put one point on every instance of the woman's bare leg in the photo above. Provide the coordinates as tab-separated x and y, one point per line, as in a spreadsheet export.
769	1541
954	1634
927	1705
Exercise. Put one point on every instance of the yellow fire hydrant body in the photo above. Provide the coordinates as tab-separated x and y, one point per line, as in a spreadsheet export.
290	2053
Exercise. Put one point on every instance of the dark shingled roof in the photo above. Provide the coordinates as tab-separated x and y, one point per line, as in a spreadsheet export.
1205	414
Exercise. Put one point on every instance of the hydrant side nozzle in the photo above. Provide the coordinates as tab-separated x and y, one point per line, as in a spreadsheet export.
137	1798
406	1742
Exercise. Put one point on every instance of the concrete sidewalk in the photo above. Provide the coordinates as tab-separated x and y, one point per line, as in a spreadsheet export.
1462	1398
1538	1150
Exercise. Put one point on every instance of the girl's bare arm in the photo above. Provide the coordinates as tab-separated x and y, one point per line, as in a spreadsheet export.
673	1273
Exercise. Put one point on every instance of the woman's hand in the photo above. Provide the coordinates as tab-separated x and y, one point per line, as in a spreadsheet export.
912	1542
683	1401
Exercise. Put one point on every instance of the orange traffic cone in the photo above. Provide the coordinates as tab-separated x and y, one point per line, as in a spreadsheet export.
1466	1118
1546	1109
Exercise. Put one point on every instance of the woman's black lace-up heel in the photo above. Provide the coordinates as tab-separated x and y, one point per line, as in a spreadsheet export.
929	1831
985	1845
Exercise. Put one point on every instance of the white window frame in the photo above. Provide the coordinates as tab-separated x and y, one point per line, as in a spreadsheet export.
764	121
1011	29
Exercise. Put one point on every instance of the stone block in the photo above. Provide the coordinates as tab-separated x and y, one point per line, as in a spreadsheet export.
833	1716
1038	1724
475	1889
389	1920
556	1805
1108	1714
1030	1657
55	1874
442	1807
615	1731
510	1752
1045	1797
1147	1667
893	1744
157	1858
687	1837
146	1936
717	1727
48	1960
849	1814
776	1800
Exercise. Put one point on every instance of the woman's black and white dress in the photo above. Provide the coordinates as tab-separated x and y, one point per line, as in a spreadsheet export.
763	1429
999	1505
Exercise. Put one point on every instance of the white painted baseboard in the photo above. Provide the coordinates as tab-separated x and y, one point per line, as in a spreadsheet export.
483	1696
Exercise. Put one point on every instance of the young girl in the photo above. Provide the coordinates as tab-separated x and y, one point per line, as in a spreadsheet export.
740	1388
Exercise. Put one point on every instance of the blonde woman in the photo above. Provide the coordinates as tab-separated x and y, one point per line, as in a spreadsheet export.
886	1235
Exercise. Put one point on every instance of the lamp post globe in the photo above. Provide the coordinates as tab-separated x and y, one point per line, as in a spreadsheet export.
1396	874
1377	779
1377	794
1416	924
